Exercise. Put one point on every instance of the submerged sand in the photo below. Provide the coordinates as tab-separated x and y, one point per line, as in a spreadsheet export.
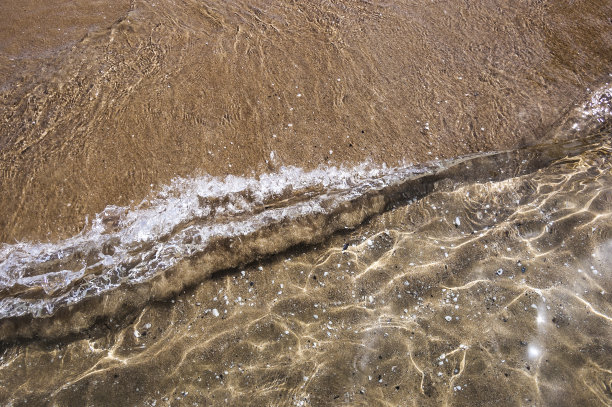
103	100
479	294
486	283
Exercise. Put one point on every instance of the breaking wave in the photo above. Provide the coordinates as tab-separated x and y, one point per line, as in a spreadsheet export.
196	226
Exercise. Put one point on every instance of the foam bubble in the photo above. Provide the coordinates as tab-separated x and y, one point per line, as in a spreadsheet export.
131	245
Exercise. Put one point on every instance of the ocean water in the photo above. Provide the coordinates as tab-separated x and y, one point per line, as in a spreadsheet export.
336	203
496	291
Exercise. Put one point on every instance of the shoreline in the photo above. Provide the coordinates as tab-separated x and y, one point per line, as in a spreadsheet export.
224	253
233	90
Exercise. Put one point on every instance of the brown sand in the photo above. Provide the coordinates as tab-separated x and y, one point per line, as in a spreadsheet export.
101	100
510	306
494	289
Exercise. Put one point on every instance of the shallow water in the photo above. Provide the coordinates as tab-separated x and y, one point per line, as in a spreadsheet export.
196	227
101	102
286	203
477	293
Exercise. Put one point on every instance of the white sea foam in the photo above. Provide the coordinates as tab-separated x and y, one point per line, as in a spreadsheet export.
597	108
131	245
599	104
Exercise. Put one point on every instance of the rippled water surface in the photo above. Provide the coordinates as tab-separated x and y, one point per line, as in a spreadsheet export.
478	293
305	203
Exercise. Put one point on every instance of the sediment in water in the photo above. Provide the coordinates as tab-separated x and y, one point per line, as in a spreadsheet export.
229	251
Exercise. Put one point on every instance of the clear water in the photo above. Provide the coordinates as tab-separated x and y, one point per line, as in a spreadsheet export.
277	203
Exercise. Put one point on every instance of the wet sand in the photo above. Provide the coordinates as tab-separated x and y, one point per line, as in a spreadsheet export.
477	294
178	88
349	263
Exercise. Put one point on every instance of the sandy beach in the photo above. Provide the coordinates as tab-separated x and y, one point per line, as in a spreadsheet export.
305	203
